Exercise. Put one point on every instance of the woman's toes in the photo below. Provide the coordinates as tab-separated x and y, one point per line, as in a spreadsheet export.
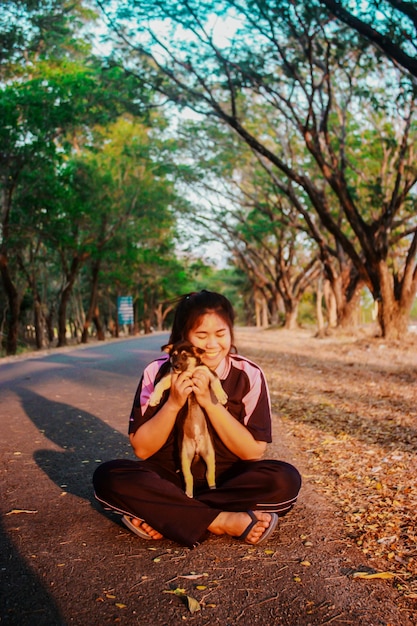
258	530
151	531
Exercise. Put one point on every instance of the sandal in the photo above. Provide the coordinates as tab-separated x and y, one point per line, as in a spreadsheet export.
135	529
254	520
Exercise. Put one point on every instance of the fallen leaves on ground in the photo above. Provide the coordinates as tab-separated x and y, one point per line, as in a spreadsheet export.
351	406
192	604
368	576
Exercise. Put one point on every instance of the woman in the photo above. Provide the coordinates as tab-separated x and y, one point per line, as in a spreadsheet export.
250	493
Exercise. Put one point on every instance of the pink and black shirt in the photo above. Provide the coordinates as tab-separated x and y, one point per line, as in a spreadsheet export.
248	401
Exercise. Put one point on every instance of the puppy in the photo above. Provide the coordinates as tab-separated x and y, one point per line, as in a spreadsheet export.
195	436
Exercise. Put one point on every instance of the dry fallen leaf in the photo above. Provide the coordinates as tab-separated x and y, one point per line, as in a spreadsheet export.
177	592
360	445
368	576
192	604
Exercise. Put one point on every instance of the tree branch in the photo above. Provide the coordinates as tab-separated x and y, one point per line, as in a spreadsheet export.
391	49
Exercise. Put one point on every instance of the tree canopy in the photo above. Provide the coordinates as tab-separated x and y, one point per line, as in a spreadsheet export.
86	176
313	82
391	25
284	129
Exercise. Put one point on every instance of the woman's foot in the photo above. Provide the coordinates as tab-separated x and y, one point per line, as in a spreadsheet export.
143	529
235	525
148	529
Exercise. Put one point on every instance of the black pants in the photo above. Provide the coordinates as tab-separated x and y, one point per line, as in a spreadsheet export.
149	492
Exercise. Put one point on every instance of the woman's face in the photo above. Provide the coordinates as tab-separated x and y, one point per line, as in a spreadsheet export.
212	334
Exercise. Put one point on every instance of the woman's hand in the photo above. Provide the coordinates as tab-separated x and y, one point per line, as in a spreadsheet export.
152	435
233	434
201	387
181	388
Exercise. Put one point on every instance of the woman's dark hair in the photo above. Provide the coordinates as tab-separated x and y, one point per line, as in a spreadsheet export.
192	306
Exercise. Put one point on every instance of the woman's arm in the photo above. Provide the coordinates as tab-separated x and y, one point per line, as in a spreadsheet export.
151	436
234	435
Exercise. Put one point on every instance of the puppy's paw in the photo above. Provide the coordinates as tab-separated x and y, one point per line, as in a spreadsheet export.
222	397
189	489
218	391
154	399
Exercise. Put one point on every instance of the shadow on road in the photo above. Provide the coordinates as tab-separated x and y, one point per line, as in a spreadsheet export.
85	439
24	599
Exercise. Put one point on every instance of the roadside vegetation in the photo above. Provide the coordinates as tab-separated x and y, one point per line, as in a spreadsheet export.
264	149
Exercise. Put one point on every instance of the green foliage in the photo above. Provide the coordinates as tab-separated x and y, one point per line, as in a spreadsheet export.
307	310
94	180
390	25
34	30
88	183
313	99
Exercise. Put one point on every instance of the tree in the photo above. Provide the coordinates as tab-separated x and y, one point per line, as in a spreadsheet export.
52	91
318	79
242	205
234	182
129	195
390	25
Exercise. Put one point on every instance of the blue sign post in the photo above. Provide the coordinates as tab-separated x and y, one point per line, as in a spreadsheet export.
125	310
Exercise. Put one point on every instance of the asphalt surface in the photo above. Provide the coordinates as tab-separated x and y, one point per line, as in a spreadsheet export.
62	413
63	560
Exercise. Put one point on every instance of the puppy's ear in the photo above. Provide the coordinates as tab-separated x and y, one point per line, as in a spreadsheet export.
198	351
167	348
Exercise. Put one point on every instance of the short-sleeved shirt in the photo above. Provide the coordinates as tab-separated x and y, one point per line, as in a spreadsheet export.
248	402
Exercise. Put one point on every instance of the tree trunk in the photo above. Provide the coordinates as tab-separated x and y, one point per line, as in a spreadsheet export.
257	313
264	314
62	317
147	326
319	308
331	307
161	313
347	315
93	310
394	306
98	324
291	313
393	320
39	323
261	311
65	296
158	316
14	300
49	324
276	304
346	291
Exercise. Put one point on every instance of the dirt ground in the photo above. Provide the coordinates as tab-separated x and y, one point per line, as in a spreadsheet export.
345	414
346	411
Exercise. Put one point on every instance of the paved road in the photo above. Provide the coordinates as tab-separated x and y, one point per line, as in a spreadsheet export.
64	561
60	415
